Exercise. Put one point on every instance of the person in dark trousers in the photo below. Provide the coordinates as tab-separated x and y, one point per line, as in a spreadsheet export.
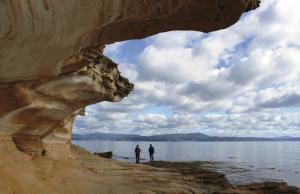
151	152
137	154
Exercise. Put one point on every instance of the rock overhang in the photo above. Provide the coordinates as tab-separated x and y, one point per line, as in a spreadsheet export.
52	63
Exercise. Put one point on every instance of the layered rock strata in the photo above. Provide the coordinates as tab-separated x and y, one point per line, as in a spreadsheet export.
53	103
37	36
51	62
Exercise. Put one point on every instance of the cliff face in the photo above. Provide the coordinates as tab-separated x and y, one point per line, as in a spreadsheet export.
51	61
46	108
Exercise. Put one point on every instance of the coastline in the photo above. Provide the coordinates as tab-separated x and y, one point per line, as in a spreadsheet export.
198	170
66	168
242	163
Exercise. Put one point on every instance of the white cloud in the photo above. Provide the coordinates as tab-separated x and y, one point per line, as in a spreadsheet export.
235	124
240	81
113	48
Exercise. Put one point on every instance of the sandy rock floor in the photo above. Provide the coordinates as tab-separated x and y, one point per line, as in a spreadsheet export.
67	169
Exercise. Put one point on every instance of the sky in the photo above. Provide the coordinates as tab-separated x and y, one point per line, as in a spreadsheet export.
241	81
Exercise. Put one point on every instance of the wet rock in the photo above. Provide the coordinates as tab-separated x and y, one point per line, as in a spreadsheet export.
197	171
271	188
104	154
217	183
263	188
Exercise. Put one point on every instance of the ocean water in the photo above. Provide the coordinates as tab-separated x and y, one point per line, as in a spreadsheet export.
242	162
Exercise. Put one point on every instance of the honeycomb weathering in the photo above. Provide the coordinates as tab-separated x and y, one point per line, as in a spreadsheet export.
51	61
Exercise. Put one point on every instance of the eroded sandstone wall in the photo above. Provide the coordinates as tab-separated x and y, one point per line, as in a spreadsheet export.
51	62
52	104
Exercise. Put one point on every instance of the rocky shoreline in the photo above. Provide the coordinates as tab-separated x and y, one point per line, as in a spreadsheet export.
71	169
218	182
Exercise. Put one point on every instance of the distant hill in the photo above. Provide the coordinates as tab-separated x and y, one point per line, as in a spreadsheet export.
173	137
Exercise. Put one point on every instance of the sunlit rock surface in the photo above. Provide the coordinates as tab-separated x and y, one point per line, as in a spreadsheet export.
54	103
52	67
51	62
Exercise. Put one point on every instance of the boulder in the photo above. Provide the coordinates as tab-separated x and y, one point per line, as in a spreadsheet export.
104	154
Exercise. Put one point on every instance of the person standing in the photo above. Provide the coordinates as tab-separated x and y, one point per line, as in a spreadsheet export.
151	153
137	154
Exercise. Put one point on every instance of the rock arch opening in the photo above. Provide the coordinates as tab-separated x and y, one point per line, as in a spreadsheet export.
48	72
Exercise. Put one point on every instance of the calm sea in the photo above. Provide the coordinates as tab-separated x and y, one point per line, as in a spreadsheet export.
242	162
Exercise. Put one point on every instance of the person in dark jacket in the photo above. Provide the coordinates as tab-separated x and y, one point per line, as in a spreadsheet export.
151	153
137	154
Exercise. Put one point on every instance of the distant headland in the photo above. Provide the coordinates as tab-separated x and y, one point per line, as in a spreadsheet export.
174	137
